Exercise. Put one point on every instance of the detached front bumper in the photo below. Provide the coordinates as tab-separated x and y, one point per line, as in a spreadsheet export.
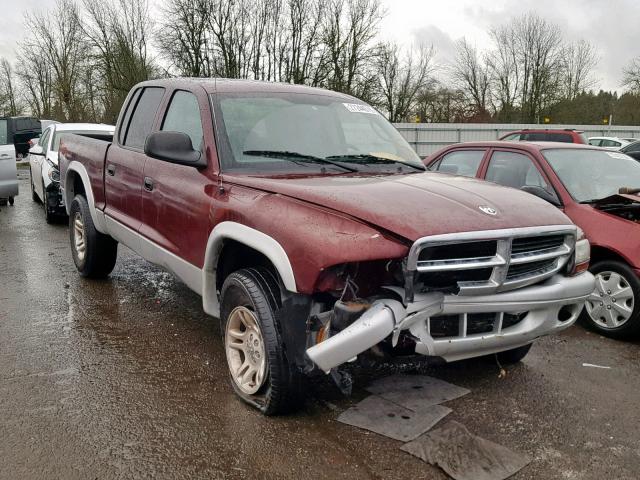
455	327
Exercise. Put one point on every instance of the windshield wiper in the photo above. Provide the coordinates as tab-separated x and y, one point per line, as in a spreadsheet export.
295	156
363	157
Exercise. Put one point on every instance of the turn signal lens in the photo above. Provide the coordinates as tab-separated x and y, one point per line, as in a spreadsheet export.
582	253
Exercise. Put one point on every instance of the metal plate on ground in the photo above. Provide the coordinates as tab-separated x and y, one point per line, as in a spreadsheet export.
465	456
386	418
415	392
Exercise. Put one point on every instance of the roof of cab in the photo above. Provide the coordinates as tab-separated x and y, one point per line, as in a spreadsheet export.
213	85
527	146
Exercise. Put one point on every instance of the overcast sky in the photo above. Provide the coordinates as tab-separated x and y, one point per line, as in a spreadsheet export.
610	25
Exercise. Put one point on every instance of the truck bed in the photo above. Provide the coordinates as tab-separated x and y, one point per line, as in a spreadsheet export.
90	150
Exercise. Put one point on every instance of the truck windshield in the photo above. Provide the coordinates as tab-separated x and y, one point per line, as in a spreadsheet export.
591	175
302	133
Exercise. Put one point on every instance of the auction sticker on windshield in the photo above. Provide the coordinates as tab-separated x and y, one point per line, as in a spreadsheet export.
358	108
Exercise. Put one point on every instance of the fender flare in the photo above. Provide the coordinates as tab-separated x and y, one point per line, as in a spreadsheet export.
250	237
79	169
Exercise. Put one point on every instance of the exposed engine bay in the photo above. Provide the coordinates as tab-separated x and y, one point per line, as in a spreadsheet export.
621	205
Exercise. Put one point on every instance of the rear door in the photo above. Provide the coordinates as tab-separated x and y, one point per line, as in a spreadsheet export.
124	166
8	173
175	202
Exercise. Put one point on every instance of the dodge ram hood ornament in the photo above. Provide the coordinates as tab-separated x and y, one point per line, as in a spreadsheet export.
488	210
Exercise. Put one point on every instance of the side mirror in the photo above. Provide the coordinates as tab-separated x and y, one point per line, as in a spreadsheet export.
540	192
36	150
174	147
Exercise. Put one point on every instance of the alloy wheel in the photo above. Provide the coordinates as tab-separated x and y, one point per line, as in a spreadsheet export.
79	238
245	350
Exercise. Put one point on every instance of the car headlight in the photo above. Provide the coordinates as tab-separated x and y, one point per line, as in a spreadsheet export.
582	253
54	174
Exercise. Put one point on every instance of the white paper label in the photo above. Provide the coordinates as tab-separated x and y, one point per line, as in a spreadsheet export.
358	108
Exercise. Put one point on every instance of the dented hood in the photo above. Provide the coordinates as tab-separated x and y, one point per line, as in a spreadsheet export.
416	205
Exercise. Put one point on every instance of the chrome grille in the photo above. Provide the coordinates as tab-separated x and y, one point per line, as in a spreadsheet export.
509	258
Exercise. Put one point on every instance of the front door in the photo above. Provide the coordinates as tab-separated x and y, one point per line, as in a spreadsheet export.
175	198
124	168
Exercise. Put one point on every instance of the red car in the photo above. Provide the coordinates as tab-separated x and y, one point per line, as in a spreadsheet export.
584	182
566	135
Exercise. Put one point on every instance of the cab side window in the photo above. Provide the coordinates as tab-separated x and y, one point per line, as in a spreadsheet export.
461	162
514	170
183	115
141	122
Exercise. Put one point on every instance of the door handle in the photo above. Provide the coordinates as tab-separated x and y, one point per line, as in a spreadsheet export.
148	184
111	169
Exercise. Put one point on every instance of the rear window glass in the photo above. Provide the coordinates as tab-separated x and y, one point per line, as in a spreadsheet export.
547	137
142	118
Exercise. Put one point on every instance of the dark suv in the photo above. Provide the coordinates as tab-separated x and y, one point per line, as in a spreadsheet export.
564	136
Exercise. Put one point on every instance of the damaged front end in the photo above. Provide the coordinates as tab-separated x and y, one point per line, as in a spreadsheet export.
459	296
621	205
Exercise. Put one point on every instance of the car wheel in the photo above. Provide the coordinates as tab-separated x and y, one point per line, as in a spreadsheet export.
11	201
3	202
613	307
259	371
49	216
93	252
34	195
509	357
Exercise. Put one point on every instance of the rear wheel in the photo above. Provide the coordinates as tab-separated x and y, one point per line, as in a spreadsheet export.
259	371
613	309
11	201
93	252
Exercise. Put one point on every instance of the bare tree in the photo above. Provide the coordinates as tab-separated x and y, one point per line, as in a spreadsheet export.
59	41
471	76
306	55
183	36
349	29
578	62
402	77
9	102
118	35
504	73
631	78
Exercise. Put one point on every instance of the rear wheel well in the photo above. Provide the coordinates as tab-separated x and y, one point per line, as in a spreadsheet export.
78	186
235	256
601	254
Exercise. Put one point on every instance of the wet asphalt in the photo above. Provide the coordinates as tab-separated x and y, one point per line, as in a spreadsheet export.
126	378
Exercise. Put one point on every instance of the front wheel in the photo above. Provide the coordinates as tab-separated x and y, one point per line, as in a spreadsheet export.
509	357
259	371
11	201
612	309
48	214
94	253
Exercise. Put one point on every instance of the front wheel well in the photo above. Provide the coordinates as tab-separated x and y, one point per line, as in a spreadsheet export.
601	254
235	256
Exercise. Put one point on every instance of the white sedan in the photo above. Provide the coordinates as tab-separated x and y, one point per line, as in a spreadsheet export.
43	162
610	143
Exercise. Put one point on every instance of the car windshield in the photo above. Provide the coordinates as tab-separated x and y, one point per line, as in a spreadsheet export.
307	133
591	175
89	133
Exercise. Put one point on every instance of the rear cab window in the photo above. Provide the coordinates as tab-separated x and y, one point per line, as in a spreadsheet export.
142	117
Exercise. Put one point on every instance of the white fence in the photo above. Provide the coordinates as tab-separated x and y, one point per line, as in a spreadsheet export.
426	138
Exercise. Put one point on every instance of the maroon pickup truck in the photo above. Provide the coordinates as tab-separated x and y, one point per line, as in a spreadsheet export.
312	230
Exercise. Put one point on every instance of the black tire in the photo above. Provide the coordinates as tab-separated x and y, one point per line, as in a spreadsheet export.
34	195
11	201
509	357
101	251
629	329
257	290
49	216
3	202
